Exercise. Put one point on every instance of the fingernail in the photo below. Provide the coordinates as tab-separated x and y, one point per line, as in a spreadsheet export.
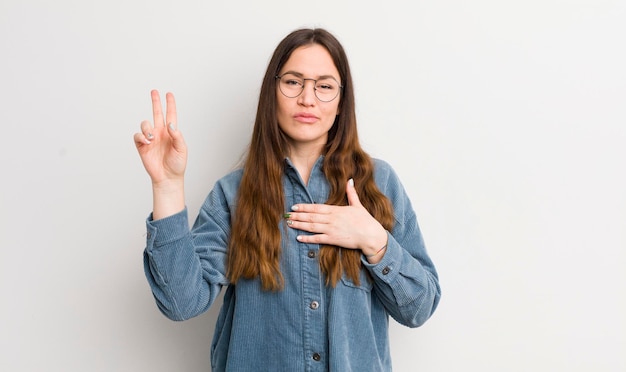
299	237
294	207
287	215
172	127
351	182
146	142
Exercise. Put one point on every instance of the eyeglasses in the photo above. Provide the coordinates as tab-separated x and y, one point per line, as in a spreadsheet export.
326	89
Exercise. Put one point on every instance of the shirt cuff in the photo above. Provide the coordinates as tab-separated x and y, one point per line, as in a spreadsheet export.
165	230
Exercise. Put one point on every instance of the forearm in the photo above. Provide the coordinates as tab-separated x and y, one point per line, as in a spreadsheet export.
185	278
175	276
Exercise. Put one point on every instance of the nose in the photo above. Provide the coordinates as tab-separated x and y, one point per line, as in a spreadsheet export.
307	97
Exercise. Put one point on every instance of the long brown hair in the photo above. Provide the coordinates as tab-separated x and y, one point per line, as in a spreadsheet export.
255	242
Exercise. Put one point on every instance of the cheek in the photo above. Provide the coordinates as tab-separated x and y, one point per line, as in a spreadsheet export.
337	110
280	109
334	111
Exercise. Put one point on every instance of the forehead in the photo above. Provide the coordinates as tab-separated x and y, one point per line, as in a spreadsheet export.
311	61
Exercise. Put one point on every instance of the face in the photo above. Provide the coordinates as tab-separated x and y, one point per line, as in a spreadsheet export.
305	119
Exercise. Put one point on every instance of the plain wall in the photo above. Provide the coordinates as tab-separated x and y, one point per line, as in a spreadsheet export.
506	121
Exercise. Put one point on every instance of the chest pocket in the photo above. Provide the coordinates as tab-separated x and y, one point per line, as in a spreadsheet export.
366	282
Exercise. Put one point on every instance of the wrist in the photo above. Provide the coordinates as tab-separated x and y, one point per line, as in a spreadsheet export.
169	186
379	251
168	198
377	247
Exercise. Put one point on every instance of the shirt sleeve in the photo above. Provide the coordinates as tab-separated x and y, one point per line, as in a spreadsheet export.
405	279
186	267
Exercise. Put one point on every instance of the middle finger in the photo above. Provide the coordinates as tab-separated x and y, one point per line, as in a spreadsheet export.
170	111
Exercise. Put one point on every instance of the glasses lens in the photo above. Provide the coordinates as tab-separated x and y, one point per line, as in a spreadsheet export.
291	85
326	89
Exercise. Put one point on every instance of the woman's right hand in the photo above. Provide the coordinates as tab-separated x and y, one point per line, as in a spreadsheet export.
164	155
161	146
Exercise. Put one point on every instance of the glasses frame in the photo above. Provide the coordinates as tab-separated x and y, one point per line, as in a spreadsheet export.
279	77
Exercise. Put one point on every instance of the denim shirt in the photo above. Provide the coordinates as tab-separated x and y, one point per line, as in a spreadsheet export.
307	326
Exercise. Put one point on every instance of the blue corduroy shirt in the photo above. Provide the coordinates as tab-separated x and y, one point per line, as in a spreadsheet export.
307	326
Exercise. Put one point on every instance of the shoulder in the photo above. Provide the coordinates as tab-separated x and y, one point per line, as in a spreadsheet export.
389	184
381	166
225	189
231	179
384	175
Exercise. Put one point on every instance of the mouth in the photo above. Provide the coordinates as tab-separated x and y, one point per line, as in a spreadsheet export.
304	117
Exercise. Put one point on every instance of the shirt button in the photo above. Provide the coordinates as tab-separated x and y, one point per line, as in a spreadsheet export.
386	270
314	305
311	254
317	357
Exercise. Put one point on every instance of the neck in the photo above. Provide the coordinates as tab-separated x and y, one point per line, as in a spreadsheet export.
304	159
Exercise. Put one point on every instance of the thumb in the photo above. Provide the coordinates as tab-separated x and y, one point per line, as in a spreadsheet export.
353	198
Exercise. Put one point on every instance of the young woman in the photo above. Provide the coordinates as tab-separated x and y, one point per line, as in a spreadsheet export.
316	242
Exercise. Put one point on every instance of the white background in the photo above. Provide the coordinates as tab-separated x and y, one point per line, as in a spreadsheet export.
506	121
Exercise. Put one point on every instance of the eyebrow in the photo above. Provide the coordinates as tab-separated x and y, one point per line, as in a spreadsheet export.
299	74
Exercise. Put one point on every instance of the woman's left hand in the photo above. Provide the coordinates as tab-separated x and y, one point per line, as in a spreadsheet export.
350	226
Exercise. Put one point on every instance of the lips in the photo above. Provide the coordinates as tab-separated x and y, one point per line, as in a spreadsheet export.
305	117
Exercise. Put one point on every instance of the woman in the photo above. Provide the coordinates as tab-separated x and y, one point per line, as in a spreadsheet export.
309	289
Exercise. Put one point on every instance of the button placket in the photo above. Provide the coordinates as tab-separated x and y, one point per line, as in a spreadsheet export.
312	283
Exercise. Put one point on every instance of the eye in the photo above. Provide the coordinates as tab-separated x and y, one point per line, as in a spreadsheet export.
326	85
293	82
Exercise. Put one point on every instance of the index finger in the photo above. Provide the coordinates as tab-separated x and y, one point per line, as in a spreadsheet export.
170	113
311	208
157	109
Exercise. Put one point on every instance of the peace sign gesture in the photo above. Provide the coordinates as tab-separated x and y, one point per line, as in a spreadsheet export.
163	153
161	147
